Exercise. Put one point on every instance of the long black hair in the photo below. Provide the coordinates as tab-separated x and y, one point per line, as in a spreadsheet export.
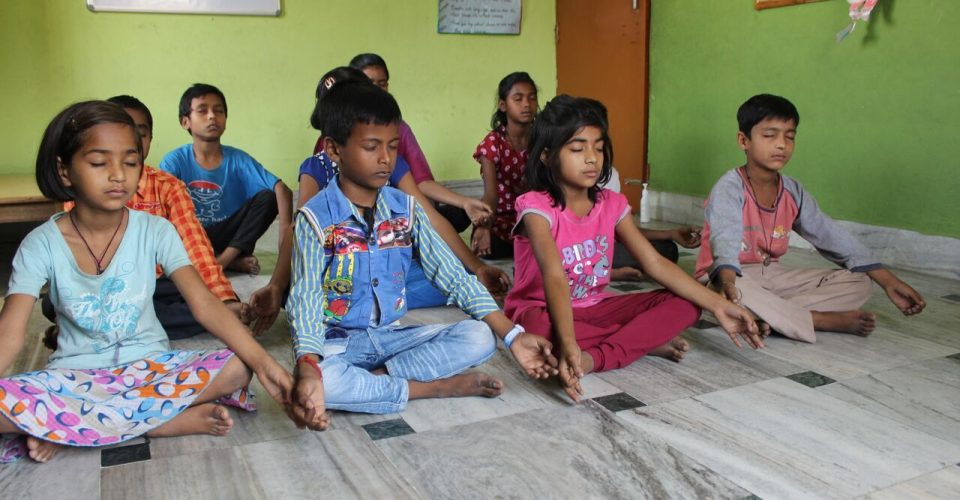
559	121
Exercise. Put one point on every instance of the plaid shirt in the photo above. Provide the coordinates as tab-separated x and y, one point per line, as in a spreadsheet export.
163	195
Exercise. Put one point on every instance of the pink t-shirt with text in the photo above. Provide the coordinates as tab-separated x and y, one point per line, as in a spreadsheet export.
585	245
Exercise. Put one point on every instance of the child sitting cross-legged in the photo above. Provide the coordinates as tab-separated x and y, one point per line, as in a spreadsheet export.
355	241
113	376
565	232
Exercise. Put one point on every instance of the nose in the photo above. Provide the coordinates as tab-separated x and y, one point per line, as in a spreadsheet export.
590	156
117	171
384	157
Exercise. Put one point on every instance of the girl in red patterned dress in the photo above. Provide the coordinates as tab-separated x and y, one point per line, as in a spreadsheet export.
502	155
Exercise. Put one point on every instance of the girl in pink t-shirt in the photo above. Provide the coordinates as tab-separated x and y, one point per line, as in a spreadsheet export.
563	243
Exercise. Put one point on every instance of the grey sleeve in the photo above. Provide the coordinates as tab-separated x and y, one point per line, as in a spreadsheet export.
724	214
831	240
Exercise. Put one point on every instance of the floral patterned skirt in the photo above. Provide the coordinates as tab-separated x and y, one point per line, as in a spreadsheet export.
97	407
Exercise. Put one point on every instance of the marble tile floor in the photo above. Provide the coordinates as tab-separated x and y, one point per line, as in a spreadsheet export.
847	417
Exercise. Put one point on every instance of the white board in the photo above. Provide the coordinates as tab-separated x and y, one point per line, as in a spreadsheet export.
232	7
496	17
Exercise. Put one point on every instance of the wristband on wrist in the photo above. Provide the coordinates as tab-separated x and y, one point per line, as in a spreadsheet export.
312	362
512	335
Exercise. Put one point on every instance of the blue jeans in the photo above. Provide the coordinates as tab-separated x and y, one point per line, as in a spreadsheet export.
420	291
420	353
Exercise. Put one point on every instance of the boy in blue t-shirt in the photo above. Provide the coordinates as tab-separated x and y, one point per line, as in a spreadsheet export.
235	198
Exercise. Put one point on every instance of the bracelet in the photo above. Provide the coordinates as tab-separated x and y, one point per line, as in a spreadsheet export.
512	335
312	362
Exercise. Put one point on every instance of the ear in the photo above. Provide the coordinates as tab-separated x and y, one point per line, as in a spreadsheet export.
502	106
332	149
743	141
184	123
62	172
543	156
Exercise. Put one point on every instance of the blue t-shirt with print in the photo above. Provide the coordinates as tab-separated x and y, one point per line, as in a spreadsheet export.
104	320
219	192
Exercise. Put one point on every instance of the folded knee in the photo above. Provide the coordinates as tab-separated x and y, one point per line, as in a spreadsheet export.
478	337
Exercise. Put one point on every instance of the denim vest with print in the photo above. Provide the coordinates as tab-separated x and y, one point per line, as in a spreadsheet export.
363	266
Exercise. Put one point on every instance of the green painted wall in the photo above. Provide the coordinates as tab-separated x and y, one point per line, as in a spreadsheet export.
879	112
56	52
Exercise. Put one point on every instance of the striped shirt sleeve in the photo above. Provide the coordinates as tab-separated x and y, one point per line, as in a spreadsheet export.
305	304
443	269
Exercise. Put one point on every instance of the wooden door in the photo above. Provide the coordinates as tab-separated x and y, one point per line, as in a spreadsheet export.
602	52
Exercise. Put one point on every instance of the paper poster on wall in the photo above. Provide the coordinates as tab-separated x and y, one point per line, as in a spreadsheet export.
232	7
492	17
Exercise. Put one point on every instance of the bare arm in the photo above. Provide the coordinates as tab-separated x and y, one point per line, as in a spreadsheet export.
477	210
734	319
14	318
557	292
266	301
218	320
488	172
493	278
687	236
907	300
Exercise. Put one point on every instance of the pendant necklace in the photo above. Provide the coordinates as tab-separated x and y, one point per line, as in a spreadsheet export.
767	238
97	261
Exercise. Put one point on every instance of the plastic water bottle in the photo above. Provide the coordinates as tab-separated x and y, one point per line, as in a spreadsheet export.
644	205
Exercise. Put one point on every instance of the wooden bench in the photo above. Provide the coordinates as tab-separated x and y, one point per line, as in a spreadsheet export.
21	201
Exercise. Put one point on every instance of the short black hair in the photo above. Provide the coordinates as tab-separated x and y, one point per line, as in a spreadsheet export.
559	121
361	61
130	102
499	118
65	135
763	106
199	90
335	76
350	103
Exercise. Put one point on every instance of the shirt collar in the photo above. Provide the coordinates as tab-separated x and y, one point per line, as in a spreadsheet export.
148	171
341	207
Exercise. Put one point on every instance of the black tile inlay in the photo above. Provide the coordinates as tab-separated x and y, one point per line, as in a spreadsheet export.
619	401
704	324
627	287
955	297
388	429
955	356
125	454
685	254
751	497
811	379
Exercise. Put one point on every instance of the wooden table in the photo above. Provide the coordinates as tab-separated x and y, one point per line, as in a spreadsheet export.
21	201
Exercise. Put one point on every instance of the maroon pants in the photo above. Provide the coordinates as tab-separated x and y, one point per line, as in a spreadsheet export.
619	330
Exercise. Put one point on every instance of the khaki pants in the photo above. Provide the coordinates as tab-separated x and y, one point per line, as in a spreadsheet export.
785	297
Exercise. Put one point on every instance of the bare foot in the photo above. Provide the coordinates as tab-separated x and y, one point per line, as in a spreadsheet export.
674	350
40	450
463	385
249	265
764	327
586	362
50	337
626	274
382	370
860	323
207	418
